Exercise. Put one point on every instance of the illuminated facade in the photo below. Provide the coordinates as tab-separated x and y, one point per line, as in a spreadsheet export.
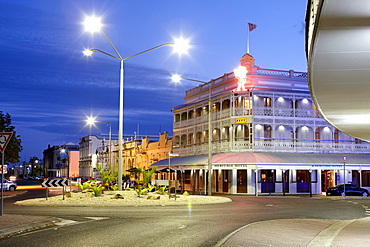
89	150
266	137
62	160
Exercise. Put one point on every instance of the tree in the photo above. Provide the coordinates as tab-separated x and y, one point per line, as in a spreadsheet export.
147	175
14	146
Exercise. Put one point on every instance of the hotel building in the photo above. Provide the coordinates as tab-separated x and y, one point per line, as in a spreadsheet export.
259	132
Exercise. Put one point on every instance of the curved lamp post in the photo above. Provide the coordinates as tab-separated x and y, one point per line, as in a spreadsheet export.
93	24
178	78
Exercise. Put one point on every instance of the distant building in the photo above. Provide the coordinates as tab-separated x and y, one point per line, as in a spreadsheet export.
62	160
136	153
144	152
265	137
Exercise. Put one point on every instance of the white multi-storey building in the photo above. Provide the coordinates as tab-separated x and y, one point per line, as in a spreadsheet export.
93	151
266	137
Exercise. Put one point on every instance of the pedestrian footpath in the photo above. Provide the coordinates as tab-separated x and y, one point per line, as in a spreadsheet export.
301	232
12	224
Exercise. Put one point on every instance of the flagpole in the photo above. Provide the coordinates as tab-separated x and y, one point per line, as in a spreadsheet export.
248	37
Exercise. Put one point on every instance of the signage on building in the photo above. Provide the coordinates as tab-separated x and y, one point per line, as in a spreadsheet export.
219	166
241	120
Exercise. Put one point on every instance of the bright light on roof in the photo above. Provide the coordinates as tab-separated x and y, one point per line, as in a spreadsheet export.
241	72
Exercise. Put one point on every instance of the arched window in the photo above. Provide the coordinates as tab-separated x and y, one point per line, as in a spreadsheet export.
191	114
226	104
191	139
177	117
198	112
267	102
246	133
216	135
183	140
177	141
226	133
184	116
198	137
205	136
216	107
267	132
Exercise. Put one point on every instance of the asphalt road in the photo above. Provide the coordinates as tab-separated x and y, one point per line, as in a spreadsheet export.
201	225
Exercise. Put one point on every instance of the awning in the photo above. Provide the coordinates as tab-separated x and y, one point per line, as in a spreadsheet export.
269	158
183	161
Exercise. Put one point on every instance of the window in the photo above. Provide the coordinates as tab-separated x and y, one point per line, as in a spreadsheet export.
190	139
226	104
177	118
184	116
317	134
198	112
267	102
191	114
336	136
267	132
198	137
365	178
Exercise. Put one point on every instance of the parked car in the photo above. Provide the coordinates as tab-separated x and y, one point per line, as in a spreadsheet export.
351	190
8	185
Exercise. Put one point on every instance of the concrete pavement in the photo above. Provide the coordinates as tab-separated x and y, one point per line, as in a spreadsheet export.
13	224
301	232
285	232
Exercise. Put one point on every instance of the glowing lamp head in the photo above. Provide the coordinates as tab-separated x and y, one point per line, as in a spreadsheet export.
92	24
87	52
181	46
90	120
176	78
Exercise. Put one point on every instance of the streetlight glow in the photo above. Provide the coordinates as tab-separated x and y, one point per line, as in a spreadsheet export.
176	78
87	52
92	24
181	46
90	120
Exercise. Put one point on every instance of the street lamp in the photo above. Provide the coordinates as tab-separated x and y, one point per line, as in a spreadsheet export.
93	24
91	121
178	78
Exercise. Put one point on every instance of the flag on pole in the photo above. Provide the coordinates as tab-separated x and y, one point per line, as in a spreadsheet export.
251	26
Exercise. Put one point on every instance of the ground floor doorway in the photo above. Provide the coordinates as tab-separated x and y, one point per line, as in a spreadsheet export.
242	185
328	179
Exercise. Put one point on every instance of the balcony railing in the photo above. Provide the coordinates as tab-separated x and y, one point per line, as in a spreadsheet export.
300	146
285	112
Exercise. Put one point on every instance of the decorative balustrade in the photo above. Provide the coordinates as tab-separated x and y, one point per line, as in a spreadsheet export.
281	73
275	146
285	112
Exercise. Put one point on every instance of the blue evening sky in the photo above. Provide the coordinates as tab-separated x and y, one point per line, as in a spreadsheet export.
49	87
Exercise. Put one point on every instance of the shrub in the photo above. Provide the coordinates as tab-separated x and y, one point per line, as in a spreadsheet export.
161	190
84	186
97	190
140	191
